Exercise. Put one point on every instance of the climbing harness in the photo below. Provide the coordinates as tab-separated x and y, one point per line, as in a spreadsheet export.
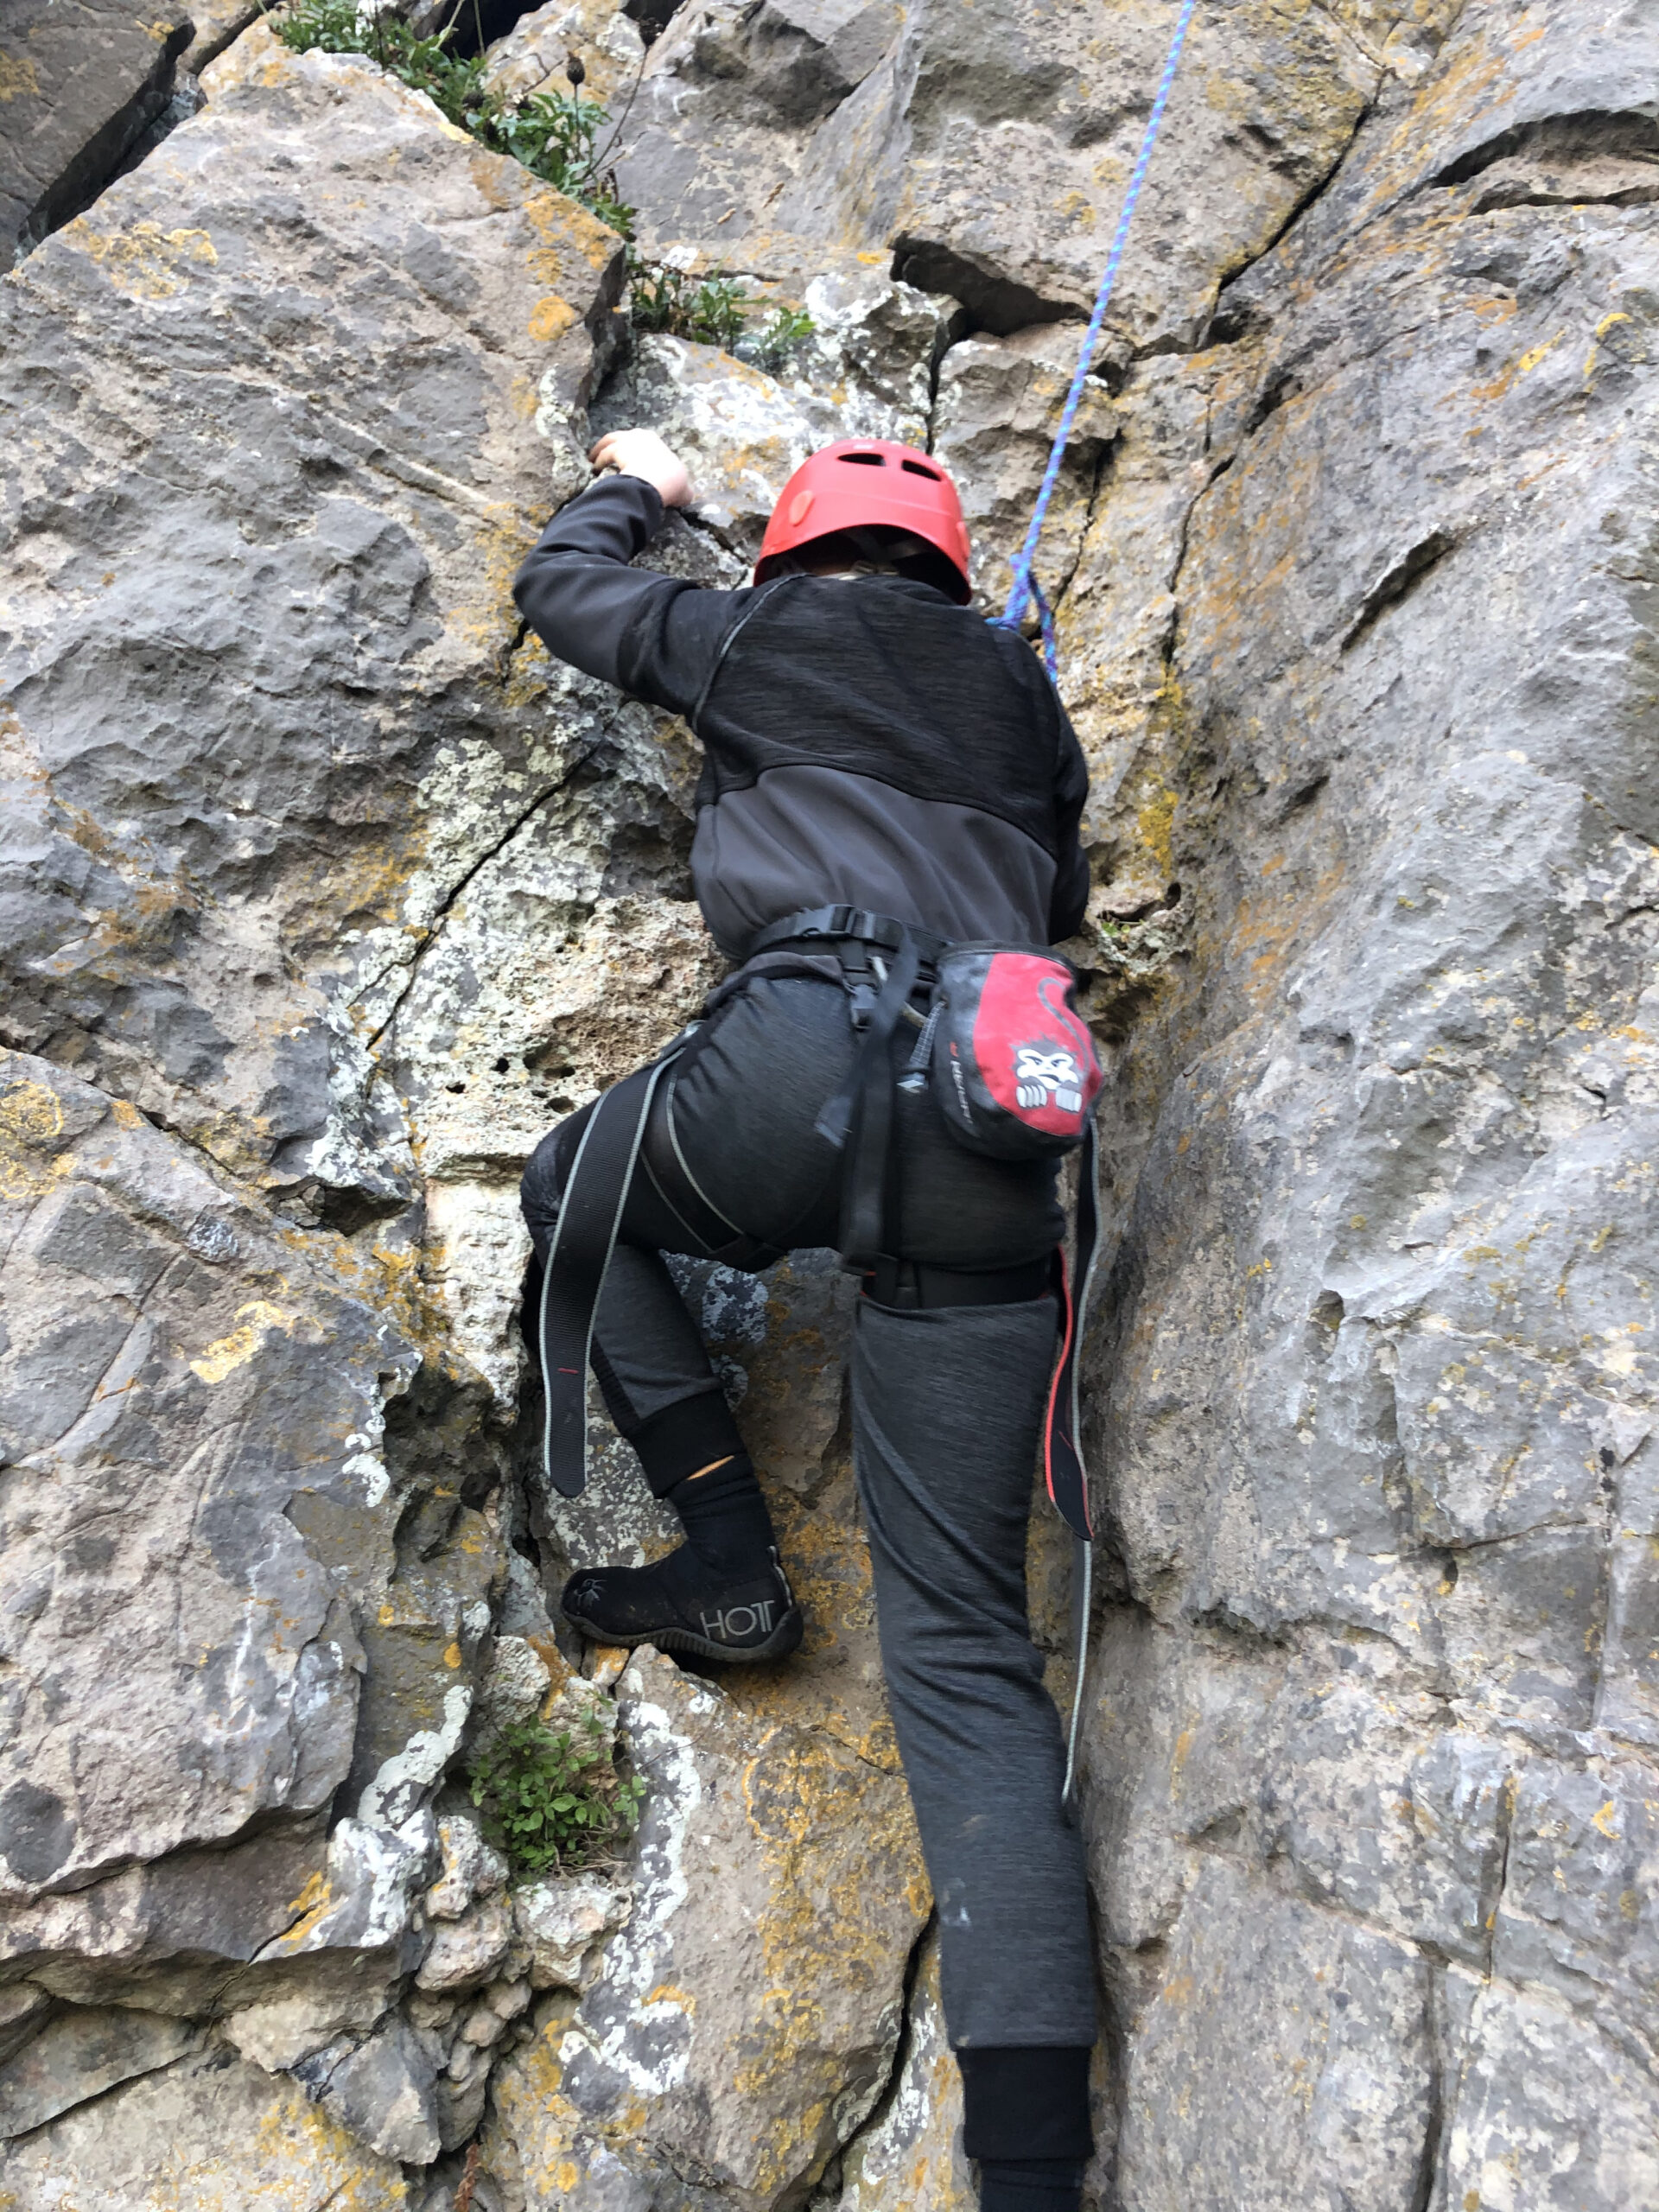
1026	588
968	1025
885	963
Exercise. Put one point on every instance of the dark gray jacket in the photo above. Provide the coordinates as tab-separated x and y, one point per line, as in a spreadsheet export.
865	742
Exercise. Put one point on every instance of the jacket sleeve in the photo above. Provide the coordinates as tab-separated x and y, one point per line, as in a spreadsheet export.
1070	898
657	637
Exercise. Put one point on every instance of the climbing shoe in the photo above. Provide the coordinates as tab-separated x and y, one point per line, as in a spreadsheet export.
679	1606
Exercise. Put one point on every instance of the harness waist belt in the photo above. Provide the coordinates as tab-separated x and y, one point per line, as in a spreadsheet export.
832	923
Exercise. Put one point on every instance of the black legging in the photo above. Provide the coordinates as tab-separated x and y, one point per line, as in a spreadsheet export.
947	1407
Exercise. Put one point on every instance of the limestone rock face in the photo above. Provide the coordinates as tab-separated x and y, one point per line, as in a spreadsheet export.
280	571
325	894
1375	1375
209	2131
910	2151
990	148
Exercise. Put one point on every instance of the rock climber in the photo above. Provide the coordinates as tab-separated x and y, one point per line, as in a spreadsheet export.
874	753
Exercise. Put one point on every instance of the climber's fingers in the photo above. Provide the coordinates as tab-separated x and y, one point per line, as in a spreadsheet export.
642	453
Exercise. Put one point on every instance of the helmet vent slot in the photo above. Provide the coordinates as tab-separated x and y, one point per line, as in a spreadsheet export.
917	468
867	460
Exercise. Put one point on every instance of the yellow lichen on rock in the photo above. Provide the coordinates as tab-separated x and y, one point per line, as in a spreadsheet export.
550	318
31	1119
19	78
146	262
223	1357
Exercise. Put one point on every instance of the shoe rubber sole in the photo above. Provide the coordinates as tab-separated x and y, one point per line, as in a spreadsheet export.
783	1640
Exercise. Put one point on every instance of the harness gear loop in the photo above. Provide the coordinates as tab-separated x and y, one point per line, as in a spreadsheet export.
1066	1476
1025	588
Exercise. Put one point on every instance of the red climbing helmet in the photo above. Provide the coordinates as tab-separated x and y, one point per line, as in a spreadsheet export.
860	481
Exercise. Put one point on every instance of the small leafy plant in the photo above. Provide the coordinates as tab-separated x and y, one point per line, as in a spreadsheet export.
789	327
553	1800
712	310
709	310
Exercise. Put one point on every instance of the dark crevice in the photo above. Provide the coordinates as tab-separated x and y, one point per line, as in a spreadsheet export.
1058	595
1590	133
950	333
996	302
1283	384
1172	636
473	25
1244	1635
653	16
1232	325
1304	795
878	2111
1251	318
186	99
1434	2122
1401	579
458	889
1505	1833
1506	196
342	1208
96	164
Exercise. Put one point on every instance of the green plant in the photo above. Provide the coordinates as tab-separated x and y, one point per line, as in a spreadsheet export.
329	26
552	134
712	310
789	327
553	1800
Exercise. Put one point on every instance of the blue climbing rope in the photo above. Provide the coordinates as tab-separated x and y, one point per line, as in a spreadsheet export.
1026	586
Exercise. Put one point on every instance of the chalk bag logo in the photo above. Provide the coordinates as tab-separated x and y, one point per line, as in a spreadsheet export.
1042	1075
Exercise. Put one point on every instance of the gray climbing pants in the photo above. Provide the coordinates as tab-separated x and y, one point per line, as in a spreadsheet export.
948	1402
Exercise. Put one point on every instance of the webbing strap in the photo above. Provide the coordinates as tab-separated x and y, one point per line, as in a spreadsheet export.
1025	588
1063	1463
584	1236
1082	1591
862	1110
1067	1478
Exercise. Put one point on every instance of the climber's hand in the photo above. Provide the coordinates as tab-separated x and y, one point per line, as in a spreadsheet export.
642	453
